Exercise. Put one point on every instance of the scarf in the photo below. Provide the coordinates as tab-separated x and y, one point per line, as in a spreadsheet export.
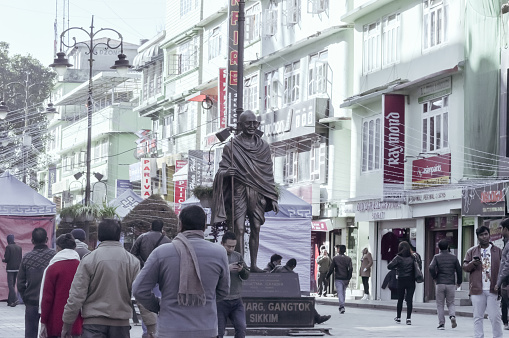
191	292
62	255
80	244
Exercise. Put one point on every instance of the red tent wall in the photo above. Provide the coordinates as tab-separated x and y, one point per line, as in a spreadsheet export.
21	227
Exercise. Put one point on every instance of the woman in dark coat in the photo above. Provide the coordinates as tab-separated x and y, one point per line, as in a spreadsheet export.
404	264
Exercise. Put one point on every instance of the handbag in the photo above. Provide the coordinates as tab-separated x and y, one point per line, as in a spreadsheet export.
418	276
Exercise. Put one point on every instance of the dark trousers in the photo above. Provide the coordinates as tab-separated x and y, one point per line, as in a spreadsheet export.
233	309
365	282
11	282
105	331
406	289
322	283
31	321
503	304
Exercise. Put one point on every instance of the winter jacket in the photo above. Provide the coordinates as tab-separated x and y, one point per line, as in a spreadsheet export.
390	280
57	284
81	248
504	267
404	265
444	267
366	263
146	243
102	287
31	271
475	283
163	267
12	257
270	266
342	268
324	263
236	277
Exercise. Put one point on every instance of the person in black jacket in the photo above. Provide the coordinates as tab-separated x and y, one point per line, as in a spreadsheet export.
404	263
445	269
342	268
13	259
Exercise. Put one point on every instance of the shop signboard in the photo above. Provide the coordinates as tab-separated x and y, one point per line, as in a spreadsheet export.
486	201
121	186
180	194
321	225
431	171
393	145
222	98
52	178
233	62
378	210
146	178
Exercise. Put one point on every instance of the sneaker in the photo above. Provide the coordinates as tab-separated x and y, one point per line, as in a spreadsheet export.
342	310
409	322
441	327
365	297
397	320
323	319
506	326
453	322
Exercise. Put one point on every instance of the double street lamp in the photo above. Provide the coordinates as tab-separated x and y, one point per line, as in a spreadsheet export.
60	64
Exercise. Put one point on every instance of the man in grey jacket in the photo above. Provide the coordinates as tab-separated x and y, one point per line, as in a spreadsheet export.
147	242
231	306
445	269
192	274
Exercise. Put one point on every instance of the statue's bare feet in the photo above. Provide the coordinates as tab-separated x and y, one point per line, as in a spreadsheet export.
256	269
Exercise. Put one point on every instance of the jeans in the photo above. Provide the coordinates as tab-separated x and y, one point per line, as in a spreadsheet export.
105	331
233	309
11	282
406	289
486	302
503	304
341	289
32	317
365	283
445	292
322	283
157	293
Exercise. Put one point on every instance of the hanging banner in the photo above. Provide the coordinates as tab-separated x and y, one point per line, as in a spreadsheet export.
146	179
233	62
180	194
393	145
52	178
222	98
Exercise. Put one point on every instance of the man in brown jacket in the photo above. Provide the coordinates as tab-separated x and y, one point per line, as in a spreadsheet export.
483	262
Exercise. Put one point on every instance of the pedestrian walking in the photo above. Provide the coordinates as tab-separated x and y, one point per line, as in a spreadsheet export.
483	263
55	286
231	306
30	278
365	271
404	264
101	289
445	269
275	260
503	275
342	268
13	258
192	273
323	261
80	237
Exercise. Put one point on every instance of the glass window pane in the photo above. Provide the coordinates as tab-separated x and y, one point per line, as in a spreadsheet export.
377	144
445	135
439	131
424	135
365	146
432	133
371	144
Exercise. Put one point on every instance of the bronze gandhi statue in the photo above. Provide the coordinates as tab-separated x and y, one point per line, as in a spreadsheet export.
248	160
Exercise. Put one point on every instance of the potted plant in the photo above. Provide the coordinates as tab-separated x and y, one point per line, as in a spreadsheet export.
68	214
87	213
204	194
108	212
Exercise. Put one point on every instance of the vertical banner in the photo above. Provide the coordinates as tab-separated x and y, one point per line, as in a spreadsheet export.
52	178
393	145
222	98
146	179
180	194
233	61
194	173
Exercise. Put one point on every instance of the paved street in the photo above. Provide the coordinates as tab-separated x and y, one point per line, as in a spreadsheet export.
356	322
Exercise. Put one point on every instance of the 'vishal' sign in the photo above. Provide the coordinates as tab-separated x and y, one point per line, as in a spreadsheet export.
233	61
394	142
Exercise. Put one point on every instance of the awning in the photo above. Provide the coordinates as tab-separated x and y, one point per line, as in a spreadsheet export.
321	225
146	56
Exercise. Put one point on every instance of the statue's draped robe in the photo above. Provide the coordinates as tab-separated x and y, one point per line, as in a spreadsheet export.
254	165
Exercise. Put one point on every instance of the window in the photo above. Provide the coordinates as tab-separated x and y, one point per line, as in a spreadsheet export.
318	67
215	43
390	37
212	118
270	22
371	143
104	150
292	83
167	126
435	19
186	117
290	173
186	6
318	165
252	27
251	93
371	48
292	12
185	58
272	90
435	124
317	6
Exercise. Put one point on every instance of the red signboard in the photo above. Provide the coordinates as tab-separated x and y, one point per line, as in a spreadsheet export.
222	97
179	164
319	226
180	194
233	61
431	171
394	139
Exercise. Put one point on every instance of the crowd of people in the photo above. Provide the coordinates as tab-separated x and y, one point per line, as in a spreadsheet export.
190	287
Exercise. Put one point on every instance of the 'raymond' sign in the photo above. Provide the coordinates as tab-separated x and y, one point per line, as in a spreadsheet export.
394	139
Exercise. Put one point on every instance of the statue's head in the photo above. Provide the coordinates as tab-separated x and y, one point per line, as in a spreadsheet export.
248	122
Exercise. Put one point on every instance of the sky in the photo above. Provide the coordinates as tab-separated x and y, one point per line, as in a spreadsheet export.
28	25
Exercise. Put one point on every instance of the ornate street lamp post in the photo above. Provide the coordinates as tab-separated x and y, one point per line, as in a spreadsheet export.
61	63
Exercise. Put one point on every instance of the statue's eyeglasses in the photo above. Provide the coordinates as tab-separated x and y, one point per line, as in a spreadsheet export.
252	123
